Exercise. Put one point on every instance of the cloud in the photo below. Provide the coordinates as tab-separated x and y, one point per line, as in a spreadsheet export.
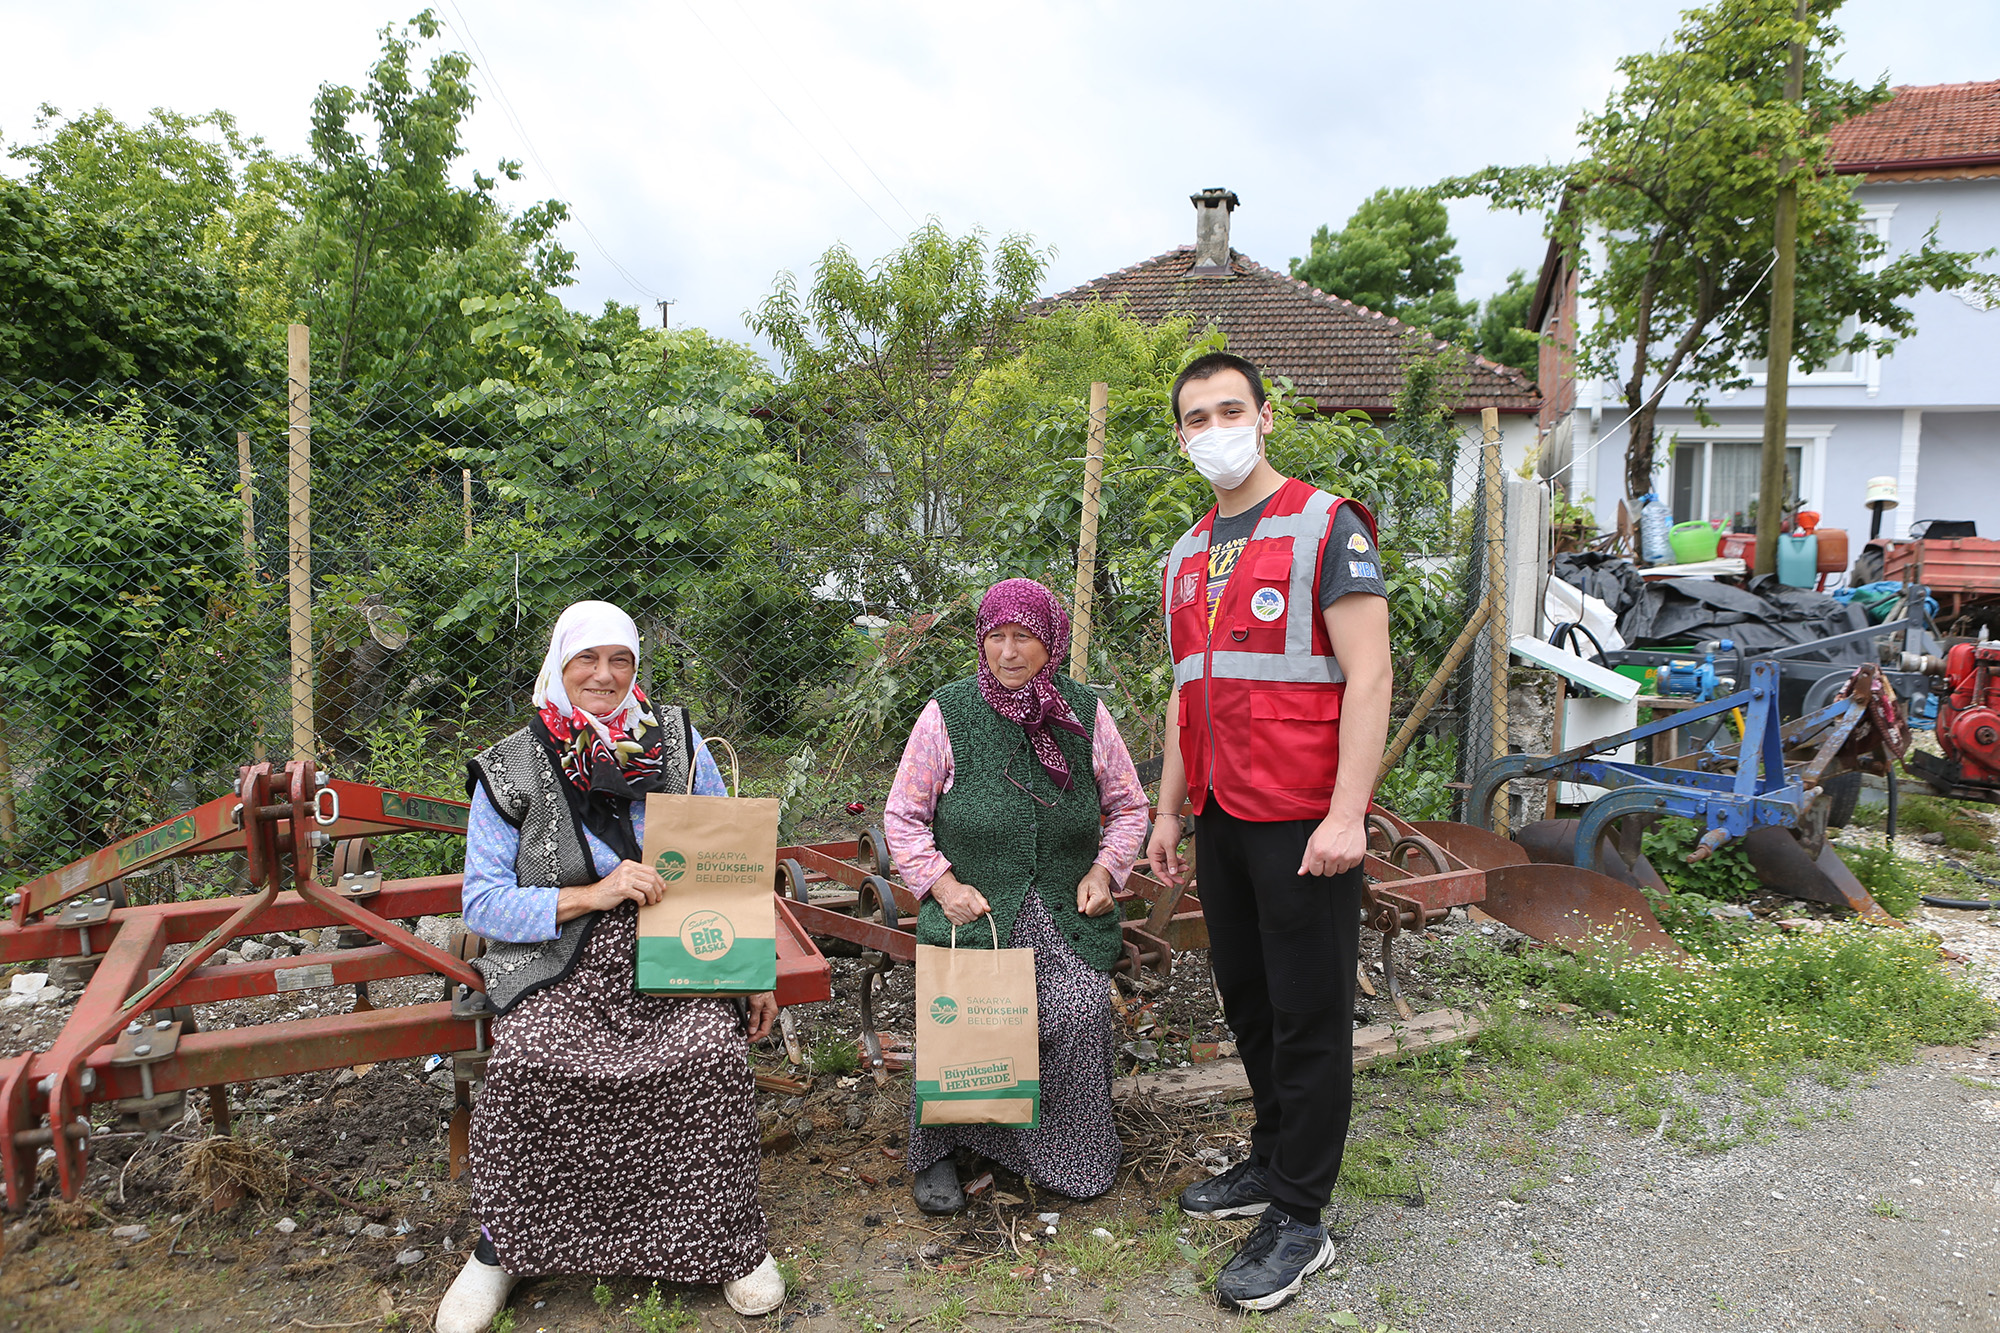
708	144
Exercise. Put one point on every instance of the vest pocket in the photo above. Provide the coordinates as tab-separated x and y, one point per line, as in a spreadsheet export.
1272	568
1294	738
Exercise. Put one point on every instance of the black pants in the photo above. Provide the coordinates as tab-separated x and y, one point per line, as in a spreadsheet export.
1283	949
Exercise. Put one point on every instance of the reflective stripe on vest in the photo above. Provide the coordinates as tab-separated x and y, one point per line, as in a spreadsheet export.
1297	664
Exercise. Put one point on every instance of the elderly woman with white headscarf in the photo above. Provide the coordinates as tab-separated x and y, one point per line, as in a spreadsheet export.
616	1132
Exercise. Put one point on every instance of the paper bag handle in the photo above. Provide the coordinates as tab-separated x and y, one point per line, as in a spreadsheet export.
989	925
735	772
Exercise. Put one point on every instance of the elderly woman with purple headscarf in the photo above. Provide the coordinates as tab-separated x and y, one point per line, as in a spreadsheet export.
1016	797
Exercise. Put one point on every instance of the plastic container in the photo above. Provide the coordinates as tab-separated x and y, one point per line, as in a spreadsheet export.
1693	541
1832	550
1798	561
1642	674
1738	546
1656	516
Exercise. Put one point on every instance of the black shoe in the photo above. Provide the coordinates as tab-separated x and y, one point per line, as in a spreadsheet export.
937	1189
1241	1191
1273	1263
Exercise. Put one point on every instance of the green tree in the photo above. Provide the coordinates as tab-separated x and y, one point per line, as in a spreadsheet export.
1503	332
112	547
1395	255
644	474
1675	190
883	365
177	172
87	297
209	197
389	247
1059	353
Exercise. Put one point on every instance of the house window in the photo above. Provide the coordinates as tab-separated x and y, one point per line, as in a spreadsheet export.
1844	368
1847	366
1718	479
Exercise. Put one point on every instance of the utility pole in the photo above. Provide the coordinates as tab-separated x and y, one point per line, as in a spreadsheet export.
664	307
1778	348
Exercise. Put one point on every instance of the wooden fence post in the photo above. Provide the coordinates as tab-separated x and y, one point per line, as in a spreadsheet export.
1496	593
465	477
246	476
1086	546
299	485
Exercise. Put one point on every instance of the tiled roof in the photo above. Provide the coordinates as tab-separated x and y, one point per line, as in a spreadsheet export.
1339	354
1931	125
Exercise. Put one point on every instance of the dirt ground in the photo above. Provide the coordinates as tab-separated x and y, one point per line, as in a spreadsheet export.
1875	1205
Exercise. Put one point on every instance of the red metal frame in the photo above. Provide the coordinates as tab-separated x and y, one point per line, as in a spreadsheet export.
269	815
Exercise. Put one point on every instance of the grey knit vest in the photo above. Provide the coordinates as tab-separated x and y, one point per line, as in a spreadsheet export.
520	777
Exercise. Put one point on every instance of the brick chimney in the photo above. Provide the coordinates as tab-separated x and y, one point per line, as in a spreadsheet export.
1212	208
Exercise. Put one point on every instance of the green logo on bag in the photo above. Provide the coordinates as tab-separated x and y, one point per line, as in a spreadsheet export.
671	865
707	934
944	1011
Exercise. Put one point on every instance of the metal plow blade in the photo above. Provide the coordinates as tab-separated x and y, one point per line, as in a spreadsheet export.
1782	864
1567	906
1481	849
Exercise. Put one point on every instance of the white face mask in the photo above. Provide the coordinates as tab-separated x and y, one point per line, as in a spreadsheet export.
1226	455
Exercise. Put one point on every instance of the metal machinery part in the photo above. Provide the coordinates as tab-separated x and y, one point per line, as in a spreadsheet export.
275	820
1773	778
1968	724
1417	873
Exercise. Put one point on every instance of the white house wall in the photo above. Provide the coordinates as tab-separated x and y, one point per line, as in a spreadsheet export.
1948	372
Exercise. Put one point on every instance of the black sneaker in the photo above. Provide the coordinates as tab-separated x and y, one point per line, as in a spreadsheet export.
1241	1191
1273	1263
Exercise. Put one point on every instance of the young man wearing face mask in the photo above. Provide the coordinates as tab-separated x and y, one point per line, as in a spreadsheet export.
1278	619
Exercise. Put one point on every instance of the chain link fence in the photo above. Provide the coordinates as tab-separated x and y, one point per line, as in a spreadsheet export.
193	577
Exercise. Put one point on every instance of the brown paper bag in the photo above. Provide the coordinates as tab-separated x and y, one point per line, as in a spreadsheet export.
715	932
979	1050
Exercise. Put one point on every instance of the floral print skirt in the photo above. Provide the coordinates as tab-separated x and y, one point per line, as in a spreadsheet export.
1074	1150
616	1133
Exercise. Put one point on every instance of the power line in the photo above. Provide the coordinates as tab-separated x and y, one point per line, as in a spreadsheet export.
802	87
508	107
752	78
1653	398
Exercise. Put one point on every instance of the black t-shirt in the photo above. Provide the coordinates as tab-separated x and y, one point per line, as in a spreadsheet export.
1351	563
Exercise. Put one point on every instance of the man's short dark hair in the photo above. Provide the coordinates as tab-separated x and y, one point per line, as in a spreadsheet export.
1206	365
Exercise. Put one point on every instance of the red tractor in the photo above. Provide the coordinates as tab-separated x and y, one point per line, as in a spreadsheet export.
1968	726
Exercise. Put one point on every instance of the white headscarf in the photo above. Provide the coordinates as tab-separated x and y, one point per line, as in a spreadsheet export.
590	625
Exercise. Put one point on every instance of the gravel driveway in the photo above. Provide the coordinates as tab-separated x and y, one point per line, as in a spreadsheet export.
1882	1212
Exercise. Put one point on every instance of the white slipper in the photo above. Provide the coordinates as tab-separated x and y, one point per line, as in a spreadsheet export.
759	1291
477	1294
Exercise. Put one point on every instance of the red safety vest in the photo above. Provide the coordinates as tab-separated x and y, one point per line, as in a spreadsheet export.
1259	688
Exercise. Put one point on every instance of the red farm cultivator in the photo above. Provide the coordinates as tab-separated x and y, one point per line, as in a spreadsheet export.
132	1046
132	1049
843	893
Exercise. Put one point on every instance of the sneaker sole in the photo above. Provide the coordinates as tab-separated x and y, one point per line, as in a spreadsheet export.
1283	1294
1245	1210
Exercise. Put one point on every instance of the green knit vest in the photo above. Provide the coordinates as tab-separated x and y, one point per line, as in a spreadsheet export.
1002	841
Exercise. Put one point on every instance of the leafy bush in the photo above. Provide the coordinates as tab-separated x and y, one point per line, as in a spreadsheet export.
895	681
1850	993
113	548
424	754
1962	830
1417	787
1883	873
768	645
1725	876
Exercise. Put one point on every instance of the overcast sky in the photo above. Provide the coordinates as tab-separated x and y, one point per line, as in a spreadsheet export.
708	144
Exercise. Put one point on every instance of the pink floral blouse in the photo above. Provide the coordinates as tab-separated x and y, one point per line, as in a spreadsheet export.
926	774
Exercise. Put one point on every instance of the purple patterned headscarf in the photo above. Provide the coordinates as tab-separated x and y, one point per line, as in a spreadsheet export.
1037	705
